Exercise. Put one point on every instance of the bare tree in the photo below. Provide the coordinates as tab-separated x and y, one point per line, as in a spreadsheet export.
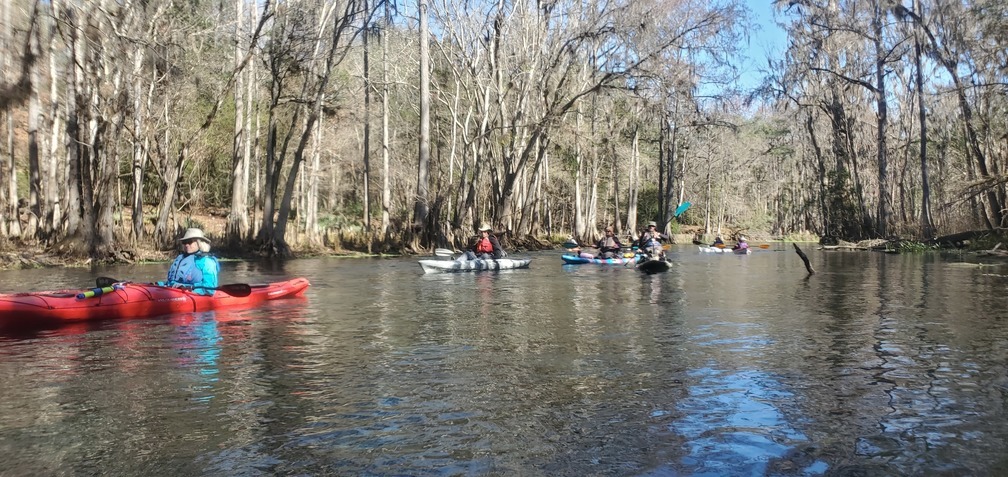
386	183
420	207
366	176
238	218
342	28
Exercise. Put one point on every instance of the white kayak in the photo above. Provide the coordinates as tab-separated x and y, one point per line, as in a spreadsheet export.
433	266
705	249
738	251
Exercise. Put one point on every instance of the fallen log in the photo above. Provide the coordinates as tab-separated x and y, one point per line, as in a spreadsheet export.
804	258
961	239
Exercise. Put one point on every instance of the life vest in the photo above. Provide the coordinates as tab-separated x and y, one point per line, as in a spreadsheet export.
483	245
652	240
608	243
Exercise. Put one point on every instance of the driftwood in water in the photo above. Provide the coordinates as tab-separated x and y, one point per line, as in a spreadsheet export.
801	254
961	239
994	251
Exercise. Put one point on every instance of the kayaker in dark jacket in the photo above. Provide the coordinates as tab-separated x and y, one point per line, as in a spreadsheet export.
194	268
650	241
484	246
609	246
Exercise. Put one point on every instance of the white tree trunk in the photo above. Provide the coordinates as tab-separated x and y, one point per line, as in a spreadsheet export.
421	208
386	183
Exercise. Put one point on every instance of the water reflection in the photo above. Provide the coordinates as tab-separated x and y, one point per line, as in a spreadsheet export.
732	422
724	365
197	350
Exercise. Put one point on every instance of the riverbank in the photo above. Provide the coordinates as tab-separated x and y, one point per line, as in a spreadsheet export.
15	255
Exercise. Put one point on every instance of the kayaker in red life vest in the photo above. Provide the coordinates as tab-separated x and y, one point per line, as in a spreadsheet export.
194	268
485	246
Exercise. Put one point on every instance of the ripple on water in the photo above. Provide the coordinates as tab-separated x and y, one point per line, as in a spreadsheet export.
735	423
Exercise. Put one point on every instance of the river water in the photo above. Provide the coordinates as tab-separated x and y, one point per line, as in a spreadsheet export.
725	365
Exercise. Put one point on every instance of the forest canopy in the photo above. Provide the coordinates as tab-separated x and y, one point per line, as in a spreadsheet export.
385	126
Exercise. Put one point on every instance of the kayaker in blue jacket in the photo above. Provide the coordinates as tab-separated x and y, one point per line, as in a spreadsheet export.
194	268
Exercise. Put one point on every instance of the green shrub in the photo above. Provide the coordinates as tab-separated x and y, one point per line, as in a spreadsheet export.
907	246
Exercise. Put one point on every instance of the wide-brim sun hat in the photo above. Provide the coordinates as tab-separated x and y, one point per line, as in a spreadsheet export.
194	233
484	228
742	238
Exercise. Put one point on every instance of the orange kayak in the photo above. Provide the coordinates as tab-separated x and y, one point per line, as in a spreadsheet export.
133	300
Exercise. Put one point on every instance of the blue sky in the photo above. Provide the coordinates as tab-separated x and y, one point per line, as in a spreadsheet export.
766	39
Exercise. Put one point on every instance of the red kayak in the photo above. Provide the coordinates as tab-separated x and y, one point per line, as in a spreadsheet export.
134	300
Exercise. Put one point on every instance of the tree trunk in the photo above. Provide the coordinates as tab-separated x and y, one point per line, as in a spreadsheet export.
270	169
141	115
421	208
283	214
34	163
633	183
617	223
580	227
54	185
386	183
885	202
103	244
926	220
8	214
72	137
161	232
366	179
250	139
238	220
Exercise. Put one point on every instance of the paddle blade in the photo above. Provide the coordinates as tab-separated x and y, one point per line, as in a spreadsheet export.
102	282
764	245
235	289
719	245
443	252
682	208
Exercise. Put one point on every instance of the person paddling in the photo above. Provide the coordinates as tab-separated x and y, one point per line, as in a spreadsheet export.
194	268
609	246
650	241
485	246
742	244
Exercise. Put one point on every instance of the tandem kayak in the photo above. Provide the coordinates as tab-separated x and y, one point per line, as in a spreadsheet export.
576	260
132	300
433	266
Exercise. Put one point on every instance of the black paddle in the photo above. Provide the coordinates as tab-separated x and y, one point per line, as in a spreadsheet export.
233	289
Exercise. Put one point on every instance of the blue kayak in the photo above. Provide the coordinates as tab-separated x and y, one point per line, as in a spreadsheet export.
577	260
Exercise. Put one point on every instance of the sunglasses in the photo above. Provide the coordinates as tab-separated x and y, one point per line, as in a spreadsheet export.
187	242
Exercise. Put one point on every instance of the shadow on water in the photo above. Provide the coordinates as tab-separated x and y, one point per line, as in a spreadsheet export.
724	365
